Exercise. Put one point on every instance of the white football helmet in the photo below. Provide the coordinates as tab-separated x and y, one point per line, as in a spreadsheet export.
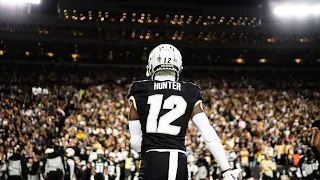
164	57
100	151
70	152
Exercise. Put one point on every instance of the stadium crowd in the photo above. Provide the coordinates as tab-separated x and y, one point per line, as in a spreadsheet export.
262	120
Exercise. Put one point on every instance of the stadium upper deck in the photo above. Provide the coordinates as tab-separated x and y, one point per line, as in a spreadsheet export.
122	31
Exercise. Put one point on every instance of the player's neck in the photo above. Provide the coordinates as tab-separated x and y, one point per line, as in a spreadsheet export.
164	78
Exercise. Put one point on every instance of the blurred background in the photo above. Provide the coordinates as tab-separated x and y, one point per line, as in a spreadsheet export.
66	66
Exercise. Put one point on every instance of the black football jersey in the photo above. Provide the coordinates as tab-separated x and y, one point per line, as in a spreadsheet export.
99	165
164	109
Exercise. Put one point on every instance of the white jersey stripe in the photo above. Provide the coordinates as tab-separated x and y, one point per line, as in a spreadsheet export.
173	165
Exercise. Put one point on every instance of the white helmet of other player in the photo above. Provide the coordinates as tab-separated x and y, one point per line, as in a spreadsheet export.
166	58
70	152
100	151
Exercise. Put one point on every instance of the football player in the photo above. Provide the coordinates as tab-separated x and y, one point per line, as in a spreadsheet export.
99	167
160	109
70	165
113	168
315	140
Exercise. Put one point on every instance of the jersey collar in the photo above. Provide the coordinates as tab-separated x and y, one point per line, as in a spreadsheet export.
164	78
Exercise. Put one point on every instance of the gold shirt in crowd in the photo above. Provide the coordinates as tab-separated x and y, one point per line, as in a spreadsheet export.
267	167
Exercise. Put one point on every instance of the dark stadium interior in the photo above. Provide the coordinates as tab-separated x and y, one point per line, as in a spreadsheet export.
66	67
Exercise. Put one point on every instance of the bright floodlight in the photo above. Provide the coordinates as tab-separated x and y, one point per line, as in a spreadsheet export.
17	2
297	10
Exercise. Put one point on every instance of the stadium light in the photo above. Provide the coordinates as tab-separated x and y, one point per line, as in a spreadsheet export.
299	11
298	60
18	2
240	61
50	54
262	61
75	57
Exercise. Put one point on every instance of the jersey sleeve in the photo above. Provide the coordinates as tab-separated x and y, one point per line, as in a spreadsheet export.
131	93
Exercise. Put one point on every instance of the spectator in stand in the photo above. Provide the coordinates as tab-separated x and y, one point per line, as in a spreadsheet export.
33	168
268	167
296	158
86	110
203	168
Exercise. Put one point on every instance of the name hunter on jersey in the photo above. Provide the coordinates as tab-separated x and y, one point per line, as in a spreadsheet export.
167	85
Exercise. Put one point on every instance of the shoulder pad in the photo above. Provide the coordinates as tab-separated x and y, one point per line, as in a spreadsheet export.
195	85
141	81
132	89
136	86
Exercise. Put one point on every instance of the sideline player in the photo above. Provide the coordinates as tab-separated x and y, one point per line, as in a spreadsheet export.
99	167
315	140
160	109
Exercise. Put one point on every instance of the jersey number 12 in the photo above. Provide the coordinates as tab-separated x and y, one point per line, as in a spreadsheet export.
178	107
